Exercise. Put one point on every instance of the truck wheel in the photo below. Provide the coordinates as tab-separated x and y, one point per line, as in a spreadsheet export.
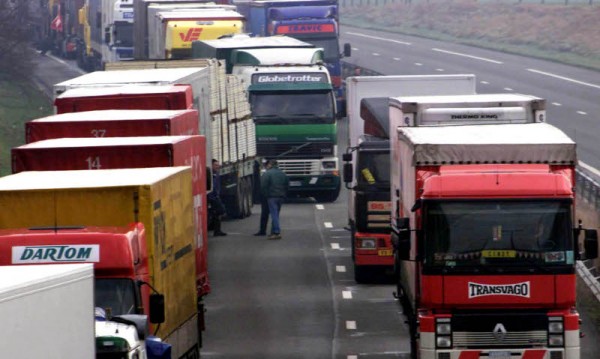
327	197
247	197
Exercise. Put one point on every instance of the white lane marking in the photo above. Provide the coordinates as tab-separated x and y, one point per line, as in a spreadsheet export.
338	230
336	237
418	64
582	112
469	56
556	103
328	225
396	59
484	82
355	49
346	294
439	70
375	54
335	246
320	206
340	269
564	78
589	168
379	38
352	357
350	325
508	89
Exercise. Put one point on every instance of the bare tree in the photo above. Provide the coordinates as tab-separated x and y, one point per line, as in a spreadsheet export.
15	38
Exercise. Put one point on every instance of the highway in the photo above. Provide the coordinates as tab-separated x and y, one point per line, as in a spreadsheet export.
296	297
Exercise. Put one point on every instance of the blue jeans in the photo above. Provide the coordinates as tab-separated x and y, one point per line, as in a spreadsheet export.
274	209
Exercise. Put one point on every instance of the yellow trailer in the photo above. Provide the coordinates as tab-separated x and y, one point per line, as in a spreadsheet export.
159	198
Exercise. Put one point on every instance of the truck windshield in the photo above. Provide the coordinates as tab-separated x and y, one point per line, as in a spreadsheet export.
292	107
373	169
503	234
124	33
329	45
115	296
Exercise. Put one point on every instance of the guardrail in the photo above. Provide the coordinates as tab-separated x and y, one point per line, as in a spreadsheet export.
586	182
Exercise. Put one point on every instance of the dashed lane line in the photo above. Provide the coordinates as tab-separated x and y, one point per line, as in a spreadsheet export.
467	55
564	78
378	38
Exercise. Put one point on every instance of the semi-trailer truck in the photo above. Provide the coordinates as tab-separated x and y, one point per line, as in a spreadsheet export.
135	225
484	232
366	169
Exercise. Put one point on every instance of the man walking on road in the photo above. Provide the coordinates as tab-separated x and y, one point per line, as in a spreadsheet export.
274	186
214	200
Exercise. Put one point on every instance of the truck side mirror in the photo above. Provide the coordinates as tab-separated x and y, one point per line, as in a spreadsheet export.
157	308
346	157
347	50
402	238
209	184
107	35
590	243
348	172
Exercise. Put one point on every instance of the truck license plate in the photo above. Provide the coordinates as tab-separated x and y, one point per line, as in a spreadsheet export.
295	183
499	355
384	252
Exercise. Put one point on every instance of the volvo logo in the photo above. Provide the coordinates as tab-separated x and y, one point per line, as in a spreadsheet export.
499	332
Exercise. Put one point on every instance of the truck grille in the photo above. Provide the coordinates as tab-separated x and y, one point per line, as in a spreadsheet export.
488	340
295	149
300	167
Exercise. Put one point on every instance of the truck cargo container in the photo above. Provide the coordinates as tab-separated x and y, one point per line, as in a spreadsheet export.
484	234
135	225
113	123
124	98
171	32
224	115
129	152
145	9
367	160
53	305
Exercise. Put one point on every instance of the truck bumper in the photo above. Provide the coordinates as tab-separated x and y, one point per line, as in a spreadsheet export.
373	249
307	185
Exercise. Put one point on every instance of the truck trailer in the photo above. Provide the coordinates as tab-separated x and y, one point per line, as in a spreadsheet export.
135	225
53	305
113	123
129	152
367	160
224	114
484	233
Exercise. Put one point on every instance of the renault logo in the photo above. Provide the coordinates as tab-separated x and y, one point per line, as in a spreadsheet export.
499	332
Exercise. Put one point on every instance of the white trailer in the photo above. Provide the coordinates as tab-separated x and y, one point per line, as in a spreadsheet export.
47	311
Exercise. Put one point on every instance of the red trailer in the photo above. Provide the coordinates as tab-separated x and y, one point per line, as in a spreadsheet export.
159	97
128	152
113	123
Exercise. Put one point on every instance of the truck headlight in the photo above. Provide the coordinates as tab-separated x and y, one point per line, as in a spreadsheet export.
555	327
556	340
443	342
443	329
367	243
329	165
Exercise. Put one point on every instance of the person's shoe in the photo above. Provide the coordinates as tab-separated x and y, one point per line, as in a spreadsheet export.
220	234
275	236
260	234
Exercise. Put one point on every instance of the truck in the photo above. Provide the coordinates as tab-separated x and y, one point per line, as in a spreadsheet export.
147	10
107	33
224	114
113	123
135	225
171	32
130	152
294	110
366	161
312	21
53	304
483	230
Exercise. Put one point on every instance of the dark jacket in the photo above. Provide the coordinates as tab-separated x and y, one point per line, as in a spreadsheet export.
215	194
274	183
